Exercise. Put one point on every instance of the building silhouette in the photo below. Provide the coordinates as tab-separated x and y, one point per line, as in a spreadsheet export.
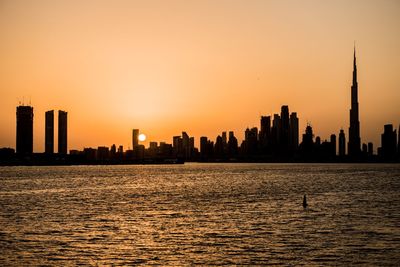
232	145
224	143
333	145
177	144
24	130
318	141
364	150
219	148
250	145
294	132
166	150
187	145
388	143
206	149
183	147
152	151
284	131
49	132
325	150
370	149
354	129
265	134
62	132
342	143
203	147
103	153
275	133
135	138
307	144
113	151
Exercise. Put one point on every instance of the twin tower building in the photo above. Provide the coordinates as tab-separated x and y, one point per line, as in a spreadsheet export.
62	132
25	131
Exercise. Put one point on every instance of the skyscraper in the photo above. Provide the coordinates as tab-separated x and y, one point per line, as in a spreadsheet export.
203	146
225	142
333	145
219	148
284	131
62	132
388	141
342	143
354	129
294	131
177	144
49	132
251	140
232	145
370	149
24	130
186	145
275	133
135	138
307	144
265	133
265	124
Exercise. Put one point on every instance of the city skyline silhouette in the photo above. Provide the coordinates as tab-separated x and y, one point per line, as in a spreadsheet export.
276	140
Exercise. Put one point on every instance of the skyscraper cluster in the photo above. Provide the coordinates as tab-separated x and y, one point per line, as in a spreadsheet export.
278	140
183	146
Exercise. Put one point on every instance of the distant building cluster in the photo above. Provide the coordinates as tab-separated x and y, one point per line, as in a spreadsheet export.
277	140
162	153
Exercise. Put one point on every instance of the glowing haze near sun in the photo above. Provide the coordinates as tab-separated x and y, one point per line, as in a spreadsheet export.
142	137
198	66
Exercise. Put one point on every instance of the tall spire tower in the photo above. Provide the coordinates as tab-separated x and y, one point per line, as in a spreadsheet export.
354	130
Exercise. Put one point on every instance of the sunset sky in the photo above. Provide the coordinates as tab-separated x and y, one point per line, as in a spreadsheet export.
198	66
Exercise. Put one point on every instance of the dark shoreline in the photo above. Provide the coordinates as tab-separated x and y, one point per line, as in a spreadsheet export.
68	162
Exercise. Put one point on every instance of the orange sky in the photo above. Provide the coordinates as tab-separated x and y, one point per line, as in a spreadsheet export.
198	66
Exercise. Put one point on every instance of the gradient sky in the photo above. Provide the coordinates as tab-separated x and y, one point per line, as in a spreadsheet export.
198	66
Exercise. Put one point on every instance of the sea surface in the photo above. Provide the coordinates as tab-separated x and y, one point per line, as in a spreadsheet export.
200	214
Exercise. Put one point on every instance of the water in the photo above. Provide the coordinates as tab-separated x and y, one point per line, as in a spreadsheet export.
205	214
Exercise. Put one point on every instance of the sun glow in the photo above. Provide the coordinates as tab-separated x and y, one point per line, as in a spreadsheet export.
142	137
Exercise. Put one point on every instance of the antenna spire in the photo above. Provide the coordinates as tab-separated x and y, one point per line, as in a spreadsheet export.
354	52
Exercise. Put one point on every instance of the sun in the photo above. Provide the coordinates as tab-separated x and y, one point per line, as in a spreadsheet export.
142	137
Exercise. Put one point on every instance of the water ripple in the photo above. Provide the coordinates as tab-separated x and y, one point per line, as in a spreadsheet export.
200	214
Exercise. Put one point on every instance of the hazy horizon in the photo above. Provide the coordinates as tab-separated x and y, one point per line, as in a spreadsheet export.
197	66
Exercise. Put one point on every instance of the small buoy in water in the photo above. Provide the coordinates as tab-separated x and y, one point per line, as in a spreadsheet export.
305	201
